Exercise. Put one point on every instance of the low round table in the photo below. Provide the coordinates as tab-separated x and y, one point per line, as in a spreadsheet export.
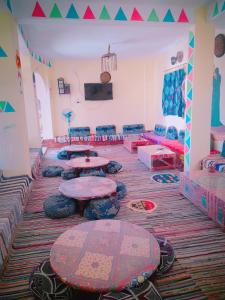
77	148
87	163
87	188
104	255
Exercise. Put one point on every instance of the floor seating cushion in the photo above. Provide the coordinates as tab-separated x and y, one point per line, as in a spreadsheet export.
172	133
181	136
62	155
83	154
113	167
105	130
121	190
167	255
133	128
79	131
69	174
104	208
215	161
52	171
93	172
59	206
160	130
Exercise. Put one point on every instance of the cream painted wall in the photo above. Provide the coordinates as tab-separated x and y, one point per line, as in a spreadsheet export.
132	89
14	150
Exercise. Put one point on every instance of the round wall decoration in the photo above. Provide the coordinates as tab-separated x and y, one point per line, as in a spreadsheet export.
105	77
219	49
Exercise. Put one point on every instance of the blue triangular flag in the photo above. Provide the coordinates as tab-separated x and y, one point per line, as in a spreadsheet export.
120	16
168	17
2	53
72	13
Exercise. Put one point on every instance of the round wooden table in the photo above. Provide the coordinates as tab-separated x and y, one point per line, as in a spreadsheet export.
104	255
91	162
77	148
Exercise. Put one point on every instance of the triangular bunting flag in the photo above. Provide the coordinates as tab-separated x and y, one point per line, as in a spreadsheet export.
38	11
88	14
72	13
192	43
153	16
120	16
2	53
104	15
9	108
168	17
190	95
189	86
187	159
39	59
188	142
2	105
183	17
9	5
215	10
55	13
223	7
136	15
188	119
49	64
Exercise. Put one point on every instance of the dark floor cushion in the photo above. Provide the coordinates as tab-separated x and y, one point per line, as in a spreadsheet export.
93	172
69	174
167	255
121	190
59	206
52	171
83	154
104	208
62	155
113	167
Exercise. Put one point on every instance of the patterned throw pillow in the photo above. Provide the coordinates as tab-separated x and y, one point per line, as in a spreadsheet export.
52	171
59	206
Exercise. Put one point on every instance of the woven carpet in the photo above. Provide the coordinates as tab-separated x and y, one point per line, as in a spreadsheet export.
199	270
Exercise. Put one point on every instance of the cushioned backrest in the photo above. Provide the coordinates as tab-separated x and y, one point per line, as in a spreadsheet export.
160	130
172	133
181	136
79	131
105	130
133	128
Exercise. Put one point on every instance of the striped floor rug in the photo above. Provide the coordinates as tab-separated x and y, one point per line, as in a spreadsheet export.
199	270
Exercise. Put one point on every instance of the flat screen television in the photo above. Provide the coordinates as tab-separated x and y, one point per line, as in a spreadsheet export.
98	91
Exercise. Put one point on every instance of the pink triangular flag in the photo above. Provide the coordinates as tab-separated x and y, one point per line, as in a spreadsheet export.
183	17
88	14
136	16
38	11
190	76
190	51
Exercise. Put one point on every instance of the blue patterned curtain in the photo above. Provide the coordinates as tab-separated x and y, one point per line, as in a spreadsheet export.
173	102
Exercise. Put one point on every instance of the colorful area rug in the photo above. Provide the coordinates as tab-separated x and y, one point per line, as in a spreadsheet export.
165	178
144	206
198	272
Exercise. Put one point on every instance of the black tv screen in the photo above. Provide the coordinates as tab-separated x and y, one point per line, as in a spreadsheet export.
98	91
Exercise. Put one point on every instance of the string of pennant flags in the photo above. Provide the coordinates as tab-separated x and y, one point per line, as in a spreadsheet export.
35	56
217	9
105	15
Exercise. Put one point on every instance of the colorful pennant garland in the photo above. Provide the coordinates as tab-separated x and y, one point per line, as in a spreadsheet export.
105	15
2	53
5	106
217	9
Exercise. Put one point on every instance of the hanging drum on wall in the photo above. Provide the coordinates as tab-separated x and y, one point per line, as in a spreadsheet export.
219	49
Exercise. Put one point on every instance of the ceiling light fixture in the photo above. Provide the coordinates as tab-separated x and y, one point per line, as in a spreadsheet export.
109	61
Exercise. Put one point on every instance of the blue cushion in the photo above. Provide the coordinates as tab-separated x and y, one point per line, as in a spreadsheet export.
79	131
181	136
113	167
160	130
59	206
69	174
172	133
104	208
83	154
220	167
133	128
93	172
52	171
62	155
105	130
121	190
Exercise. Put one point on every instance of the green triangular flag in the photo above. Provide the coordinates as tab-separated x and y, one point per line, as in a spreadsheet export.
2	105
2	53
120	16
215	10
104	14
55	13
189	86
72	13
9	5
168	17
49	64
9	108
223	7
192	43
39	59
153	16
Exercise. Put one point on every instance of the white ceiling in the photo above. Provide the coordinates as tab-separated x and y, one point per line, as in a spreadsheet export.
81	39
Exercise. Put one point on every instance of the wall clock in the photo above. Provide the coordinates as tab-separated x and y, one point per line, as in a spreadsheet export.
219	49
105	77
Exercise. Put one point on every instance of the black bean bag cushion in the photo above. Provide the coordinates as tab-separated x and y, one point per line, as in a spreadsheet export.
52	171
167	255
59	206
69	174
93	172
113	167
121	190
83	154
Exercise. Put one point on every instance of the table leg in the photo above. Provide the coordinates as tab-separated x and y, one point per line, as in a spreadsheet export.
81	206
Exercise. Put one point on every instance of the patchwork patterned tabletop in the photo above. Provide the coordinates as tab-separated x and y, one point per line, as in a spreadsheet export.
92	162
89	187
77	148
104	255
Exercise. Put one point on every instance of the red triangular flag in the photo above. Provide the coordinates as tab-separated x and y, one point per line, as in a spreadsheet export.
38	11
136	16
88	14
183	17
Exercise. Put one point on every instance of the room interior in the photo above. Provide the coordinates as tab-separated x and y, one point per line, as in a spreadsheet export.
129	92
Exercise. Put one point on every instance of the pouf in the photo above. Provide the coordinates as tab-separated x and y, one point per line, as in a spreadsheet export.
172	133
83	154
105	208
113	167
69	174
167	255
93	172
62	155
121	190
59	206
52	171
